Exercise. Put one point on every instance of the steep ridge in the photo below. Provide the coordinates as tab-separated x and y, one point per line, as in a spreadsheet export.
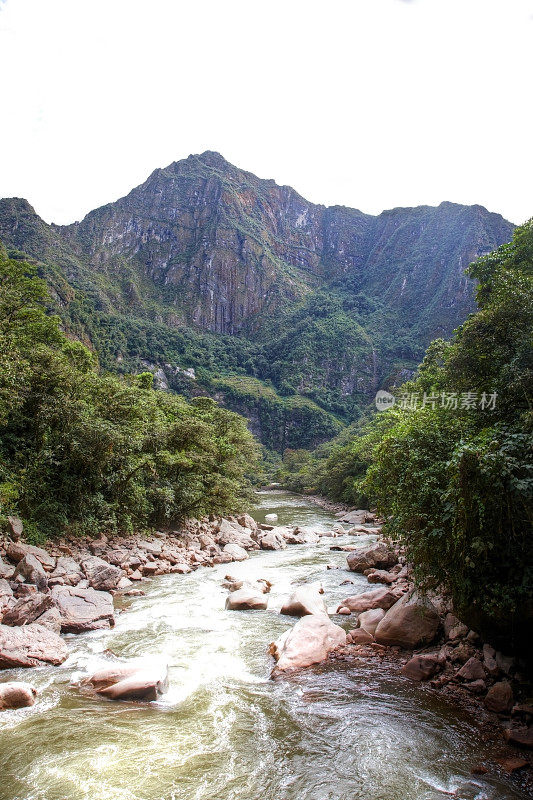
208	266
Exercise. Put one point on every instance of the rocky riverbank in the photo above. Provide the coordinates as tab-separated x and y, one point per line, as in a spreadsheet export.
70	588
421	637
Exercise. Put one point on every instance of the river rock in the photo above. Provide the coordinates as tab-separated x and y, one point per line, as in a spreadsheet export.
499	698
272	540
30	646
6	570
422	667
308	599
16	694
83	609
138	680
359	636
236	552
50	619
369	620
31	570
381	576
67	570
454	628
100	574
17	550
308	642
233	533
6	596
357	517
410	622
375	598
373	556
472	670
247	598
300	536
27	609
520	735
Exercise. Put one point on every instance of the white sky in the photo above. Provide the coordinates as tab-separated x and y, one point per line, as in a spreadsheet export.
367	103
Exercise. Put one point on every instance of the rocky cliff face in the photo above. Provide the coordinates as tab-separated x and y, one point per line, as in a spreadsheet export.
206	266
224	246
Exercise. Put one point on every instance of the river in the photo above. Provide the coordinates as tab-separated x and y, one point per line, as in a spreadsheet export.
225	731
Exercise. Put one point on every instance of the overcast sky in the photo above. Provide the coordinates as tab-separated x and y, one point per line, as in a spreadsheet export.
367	103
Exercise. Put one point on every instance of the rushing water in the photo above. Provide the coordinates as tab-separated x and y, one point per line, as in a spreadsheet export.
225	731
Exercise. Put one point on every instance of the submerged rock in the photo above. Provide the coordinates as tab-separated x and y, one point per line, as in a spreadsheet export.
138	680
247	598
308	642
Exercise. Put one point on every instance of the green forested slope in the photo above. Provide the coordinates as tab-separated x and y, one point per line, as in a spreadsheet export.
85	451
454	476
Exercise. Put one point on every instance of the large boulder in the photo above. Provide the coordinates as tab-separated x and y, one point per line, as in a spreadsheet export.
247	598
233	533
100	574
410	622
272	540
67	571
374	598
27	609
83	609
17	550
30	646
236	552
373	556
31	570
138	680
308	642
16	694
369	620
308	599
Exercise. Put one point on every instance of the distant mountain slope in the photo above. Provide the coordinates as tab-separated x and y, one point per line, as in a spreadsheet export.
208	266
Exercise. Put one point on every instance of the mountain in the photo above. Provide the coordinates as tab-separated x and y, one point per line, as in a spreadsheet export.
289	312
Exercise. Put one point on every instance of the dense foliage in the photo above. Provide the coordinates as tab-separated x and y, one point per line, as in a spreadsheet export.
454	476
83	450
